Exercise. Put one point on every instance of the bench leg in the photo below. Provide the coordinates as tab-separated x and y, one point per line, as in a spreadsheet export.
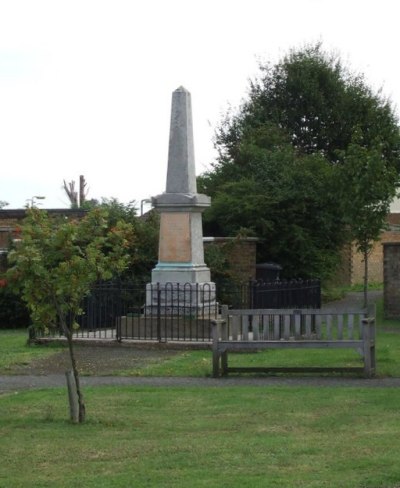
224	363
369	361
216	357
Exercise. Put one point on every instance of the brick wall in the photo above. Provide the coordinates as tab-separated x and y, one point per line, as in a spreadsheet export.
240	254
375	260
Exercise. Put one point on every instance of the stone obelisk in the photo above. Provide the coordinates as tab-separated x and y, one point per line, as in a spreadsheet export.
181	253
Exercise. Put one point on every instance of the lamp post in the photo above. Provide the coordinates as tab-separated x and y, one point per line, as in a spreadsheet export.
32	201
145	200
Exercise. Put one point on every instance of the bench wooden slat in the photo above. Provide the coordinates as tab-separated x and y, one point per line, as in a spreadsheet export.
256	327
235	327
245	328
277	327
297	325
318	329
329	327
290	344
340	327
308	331
350	326
286	331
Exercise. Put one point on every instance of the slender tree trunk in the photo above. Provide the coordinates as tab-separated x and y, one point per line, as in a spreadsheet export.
68	334
82	409
72	397
365	279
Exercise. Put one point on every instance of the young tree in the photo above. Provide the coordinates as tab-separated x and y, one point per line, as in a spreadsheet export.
278	171
370	190
57	262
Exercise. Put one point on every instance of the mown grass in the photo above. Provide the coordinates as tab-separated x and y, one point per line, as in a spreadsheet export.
15	351
214	436
225	437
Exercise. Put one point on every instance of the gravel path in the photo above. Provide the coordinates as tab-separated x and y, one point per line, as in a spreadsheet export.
353	300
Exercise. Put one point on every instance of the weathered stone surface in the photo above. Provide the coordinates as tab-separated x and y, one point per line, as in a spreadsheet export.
181	283
181	176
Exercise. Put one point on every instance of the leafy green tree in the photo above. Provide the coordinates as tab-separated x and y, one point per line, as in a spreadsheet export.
278	174
145	245
282	198
57	262
368	200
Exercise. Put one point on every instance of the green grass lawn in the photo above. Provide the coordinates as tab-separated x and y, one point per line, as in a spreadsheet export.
215	436
14	349
196	437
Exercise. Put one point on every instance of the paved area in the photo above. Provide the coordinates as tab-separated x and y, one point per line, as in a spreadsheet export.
353	300
15	383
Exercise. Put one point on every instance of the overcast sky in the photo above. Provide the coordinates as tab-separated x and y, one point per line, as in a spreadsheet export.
85	86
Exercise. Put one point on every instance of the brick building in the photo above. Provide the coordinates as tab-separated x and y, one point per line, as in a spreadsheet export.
351	271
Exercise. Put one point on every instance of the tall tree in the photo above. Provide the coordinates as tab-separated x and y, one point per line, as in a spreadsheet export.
57	262
278	171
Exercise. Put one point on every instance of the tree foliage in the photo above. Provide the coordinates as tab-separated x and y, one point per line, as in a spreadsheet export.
279	174
366	208
57	262
144	247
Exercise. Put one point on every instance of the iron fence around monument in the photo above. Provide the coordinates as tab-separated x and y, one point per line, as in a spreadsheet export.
180	312
124	310
285	294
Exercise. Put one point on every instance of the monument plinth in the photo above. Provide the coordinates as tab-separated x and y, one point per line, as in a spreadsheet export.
181	255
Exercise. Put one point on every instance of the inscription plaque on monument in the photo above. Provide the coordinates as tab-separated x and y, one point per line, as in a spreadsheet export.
175	245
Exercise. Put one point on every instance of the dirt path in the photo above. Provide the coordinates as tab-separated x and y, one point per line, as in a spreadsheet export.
94	360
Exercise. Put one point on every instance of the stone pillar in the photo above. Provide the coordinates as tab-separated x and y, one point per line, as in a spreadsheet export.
181	254
391	280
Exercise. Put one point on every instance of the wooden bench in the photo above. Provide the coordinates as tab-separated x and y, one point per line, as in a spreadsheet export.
254	330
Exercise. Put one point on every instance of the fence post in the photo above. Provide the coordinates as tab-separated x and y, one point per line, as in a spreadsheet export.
159	312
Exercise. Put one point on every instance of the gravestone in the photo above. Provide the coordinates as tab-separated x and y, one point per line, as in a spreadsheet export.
181	281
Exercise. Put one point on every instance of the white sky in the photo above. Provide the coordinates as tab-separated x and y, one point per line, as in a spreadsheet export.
85	85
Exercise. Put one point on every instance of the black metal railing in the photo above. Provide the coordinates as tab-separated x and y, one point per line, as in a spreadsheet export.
180	312
285	294
274	294
149	312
